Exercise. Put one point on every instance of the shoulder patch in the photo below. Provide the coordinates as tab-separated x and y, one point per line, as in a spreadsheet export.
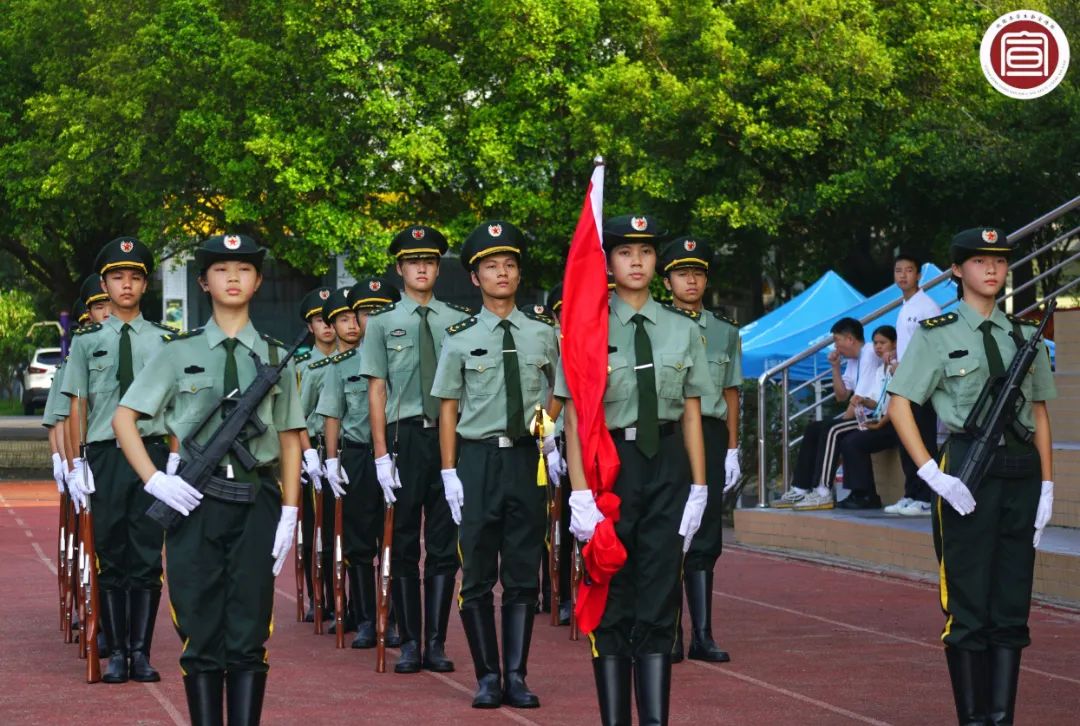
940	320
460	308
531	314
92	328
1022	321
183	335
302	357
692	314
342	356
463	325
724	318
272	340
384	309
320	363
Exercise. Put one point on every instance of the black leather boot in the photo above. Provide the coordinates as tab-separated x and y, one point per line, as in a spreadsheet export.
652	688
612	674
970	680
406	593
204	697
438	595
517	626
362	589
144	608
479	624
114	625
677	646
244	692
393	635
699	585
1004	679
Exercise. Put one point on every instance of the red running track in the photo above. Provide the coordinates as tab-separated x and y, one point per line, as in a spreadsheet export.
811	644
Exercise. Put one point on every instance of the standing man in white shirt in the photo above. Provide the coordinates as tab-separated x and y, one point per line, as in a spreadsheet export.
917	306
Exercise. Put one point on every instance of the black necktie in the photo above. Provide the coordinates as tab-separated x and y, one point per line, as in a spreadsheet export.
515	407
232	380
993	353
427	365
648	427
124	373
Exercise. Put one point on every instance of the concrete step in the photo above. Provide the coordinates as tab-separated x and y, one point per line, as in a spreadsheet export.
875	539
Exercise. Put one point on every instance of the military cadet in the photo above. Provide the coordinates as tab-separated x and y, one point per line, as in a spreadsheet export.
492	373
684	263
657	373
400	354
350	468
57	409
985	543
104	360
223	557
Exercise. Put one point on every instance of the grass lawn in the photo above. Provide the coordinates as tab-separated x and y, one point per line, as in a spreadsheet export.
10	407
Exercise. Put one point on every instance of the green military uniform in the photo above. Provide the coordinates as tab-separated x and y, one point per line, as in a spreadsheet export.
219	563
401	347
987	557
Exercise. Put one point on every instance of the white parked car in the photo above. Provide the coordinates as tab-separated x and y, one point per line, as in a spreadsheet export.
37	378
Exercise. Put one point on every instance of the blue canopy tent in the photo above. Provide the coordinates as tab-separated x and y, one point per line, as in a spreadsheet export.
830	292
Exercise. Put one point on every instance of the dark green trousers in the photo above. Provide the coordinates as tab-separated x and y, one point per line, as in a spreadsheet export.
221	582
643	602
128	542
707	544
986	559
502	523
421	499
362	508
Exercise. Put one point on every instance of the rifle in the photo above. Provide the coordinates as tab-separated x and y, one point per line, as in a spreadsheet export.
88	562
316	563
298	561
995	410
554	494
339	560
60	553
576	573
382	601
240	423
70	580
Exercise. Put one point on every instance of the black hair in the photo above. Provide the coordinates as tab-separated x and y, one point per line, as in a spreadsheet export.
848	326
886	331
910	257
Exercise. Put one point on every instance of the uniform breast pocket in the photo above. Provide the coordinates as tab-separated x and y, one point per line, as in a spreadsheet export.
399	353
195	397
356	394
532	372
672	375
101	374
718	367
618	379
480	378
964	386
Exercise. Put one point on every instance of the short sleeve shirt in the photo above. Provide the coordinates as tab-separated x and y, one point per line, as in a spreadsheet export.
859	372
50	416
312	381
723	350
344	396
914	310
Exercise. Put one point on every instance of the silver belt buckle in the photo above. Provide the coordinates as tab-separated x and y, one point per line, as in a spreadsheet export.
505	442
429	423
630	433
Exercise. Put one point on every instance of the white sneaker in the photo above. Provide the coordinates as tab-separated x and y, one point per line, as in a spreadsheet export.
895	508
916	509
790	497
813	500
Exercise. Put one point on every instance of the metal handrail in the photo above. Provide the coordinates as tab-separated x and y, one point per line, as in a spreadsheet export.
784	368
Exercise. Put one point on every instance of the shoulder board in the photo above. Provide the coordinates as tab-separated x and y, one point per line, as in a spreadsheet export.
460	308
724	318
92	328
320	363
343	356
463	325
692	314
384	309
940	320
538	317
1022	321
272	340
302	357
163	326
183	335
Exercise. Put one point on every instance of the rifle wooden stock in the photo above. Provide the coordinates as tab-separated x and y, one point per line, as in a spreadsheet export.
339	576
382	609
62	534
70	581
89	567
555	555
576	575
298	562
316	564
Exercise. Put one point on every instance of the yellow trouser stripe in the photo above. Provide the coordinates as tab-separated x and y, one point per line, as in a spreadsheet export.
461	560
592	645
943	586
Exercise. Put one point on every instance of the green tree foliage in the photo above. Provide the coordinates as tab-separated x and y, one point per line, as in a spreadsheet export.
16	317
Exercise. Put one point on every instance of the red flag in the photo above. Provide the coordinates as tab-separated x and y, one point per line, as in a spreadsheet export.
585	358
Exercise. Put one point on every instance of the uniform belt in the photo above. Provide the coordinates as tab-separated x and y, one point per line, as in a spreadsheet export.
424	421
353	444
114	444
714	418
505	442
630	432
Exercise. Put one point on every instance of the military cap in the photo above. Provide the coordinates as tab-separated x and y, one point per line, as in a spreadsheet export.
373	292
79	312
336	303
979	241
688	251
417	241
630	228
229	247
124	253
554	299
490	238
90	291
312	303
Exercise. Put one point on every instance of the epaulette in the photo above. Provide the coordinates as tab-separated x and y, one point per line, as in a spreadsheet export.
163	326
343	356
384	309
460	308
1022	321
537	313
320	363
724	318
92	328
183	335
302	357
463	325
272	340
692	314
940	320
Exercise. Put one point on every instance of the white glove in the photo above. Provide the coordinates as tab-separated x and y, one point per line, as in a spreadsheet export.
454	493
1045	510
283	540
174	491
732	470
86	476
75	486
556	466
692	513
584	515
949	488
173	463
313	468
336	476
58	472
388	477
